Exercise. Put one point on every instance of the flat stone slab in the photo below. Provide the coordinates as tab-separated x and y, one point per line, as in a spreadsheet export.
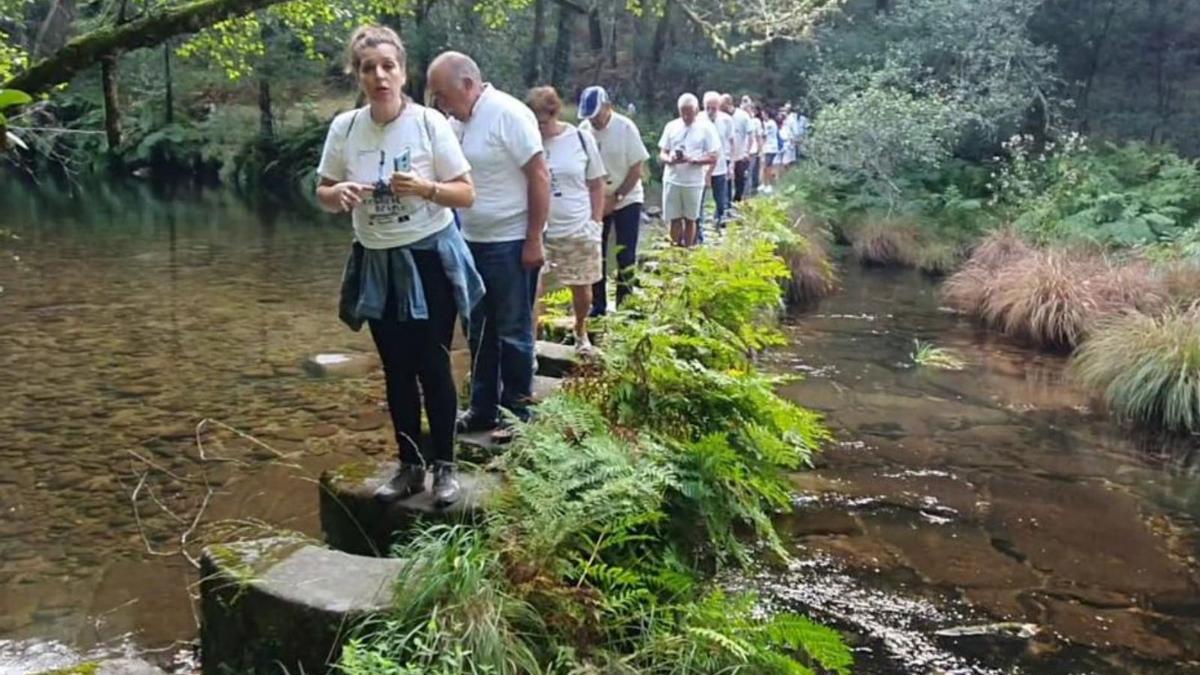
284	603
555	360
353	521
342	364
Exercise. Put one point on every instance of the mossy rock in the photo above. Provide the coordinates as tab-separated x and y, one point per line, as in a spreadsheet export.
353	521
285	603
107	667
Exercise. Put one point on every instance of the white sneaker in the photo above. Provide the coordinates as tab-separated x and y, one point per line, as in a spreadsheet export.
583	346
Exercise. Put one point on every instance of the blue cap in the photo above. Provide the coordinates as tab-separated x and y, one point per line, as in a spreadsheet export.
591	100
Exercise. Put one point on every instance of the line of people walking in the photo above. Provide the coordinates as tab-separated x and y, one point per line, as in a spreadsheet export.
470	219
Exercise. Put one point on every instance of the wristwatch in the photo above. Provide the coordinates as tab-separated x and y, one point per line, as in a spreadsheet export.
617	196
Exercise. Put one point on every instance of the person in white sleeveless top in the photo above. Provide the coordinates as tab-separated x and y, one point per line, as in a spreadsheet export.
398	169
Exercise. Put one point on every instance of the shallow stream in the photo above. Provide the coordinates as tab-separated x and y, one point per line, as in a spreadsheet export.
130	315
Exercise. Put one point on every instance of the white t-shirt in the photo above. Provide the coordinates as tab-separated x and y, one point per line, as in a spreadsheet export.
724	126
359	149
696	140
499	140
756	136
573	159
621	146
771	131
743	131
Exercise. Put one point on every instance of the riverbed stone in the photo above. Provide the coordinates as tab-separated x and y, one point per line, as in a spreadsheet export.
353	521
284	604
1112	628
1089	535
955	555
342	364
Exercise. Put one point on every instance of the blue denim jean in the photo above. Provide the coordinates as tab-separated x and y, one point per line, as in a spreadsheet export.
501	336
626	222
721	195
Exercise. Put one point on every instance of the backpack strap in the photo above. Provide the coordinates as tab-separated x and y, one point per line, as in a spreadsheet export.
586	155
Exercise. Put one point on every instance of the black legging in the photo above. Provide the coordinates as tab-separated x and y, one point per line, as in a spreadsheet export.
419	350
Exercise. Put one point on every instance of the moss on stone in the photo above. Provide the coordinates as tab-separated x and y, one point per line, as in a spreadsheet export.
355	473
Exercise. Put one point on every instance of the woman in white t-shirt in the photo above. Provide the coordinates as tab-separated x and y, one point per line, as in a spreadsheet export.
572	244
770	149
397	167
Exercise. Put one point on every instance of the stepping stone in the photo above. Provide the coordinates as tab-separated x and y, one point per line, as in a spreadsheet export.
555	359
353	521
284	604
479	446
342	364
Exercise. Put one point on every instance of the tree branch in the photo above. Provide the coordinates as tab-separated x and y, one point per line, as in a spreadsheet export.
85	50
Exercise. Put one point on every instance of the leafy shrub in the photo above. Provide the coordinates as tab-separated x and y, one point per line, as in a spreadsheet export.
803	244
1147	368
1114	196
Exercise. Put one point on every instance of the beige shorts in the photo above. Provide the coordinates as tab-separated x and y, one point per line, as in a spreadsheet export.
572	261
680	201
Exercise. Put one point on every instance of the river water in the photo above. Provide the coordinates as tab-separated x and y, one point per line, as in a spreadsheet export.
130	315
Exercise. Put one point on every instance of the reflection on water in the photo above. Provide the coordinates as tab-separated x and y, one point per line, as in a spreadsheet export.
130	317
997	490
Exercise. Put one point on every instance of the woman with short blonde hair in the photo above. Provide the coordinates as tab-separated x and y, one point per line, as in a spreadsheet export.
573	229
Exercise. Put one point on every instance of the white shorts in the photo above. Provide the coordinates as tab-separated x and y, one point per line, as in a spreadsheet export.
681	201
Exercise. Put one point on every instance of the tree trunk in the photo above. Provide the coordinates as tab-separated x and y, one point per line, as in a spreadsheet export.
533	63
85	50
612	43
595	31
169	101
266	119
650	71
112	105
562	48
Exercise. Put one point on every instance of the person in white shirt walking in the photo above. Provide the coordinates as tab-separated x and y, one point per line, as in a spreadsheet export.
624	156
687	148
771	141
503	229
743	133
576	206
719	173
398	168
756	144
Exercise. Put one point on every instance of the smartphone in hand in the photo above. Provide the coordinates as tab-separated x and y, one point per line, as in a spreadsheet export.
403	161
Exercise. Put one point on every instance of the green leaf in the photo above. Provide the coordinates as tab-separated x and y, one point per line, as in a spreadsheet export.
12	97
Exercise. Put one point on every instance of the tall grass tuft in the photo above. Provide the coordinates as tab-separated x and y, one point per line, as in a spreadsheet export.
937	259
885	243
1147	368
971	288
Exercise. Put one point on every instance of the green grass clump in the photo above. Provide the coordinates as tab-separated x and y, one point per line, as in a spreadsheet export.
926	355
1147	368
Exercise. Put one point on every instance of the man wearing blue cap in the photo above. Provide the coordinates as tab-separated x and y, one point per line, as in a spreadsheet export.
623	153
